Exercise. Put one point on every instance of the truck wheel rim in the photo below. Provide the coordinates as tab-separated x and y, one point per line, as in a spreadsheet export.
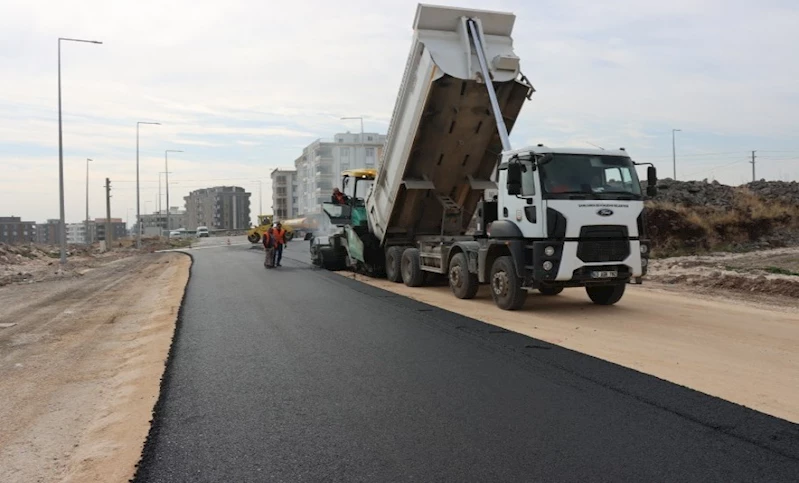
455	276
500	283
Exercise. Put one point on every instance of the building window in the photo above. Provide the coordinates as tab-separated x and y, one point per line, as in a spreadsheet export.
369	138
345	152
370	152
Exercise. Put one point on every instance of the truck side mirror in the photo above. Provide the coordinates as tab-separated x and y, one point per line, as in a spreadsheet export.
652	181
652	176
514	183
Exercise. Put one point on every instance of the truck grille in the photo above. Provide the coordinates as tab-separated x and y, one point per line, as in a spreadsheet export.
603	243
603	250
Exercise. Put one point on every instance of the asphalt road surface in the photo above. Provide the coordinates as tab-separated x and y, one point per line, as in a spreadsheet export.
297	374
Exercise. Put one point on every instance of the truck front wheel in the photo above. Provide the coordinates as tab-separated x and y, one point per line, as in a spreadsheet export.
606	294
461	281
254	238
394	264
412	273
506	286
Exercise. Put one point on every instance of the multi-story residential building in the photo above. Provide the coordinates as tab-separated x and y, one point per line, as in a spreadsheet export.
119	229
49	233
321	163
284	194
220	208
76	233
154	224
13	230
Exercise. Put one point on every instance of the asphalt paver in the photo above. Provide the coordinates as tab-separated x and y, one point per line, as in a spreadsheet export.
298	374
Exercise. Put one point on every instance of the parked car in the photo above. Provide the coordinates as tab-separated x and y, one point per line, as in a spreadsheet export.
202	231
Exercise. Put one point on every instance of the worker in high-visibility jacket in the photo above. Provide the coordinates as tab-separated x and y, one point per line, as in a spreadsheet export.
270	244
280	241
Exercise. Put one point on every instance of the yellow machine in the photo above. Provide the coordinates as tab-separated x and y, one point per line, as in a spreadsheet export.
255	234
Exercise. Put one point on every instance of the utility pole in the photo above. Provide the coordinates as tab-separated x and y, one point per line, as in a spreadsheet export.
753	166
674	152
108	235
88	237
166	171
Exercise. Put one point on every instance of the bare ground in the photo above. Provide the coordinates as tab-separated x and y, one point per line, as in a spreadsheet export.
765	275
81	360
742	348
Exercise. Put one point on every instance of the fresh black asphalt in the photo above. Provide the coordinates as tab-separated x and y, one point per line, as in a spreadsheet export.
297	374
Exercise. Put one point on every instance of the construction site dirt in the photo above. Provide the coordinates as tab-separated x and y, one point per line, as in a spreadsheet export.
81	360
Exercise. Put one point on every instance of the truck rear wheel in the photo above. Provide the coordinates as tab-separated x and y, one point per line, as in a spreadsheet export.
254	238
394	264
606	294
506	286
463	283
550	290
412	273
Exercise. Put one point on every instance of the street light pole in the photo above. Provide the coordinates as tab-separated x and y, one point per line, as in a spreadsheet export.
88	239
166	168
61	153
138	194
674	152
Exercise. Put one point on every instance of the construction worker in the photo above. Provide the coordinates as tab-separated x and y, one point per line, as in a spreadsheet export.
339	198
269	247
280	241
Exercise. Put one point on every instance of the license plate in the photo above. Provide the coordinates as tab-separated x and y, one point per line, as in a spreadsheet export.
605	274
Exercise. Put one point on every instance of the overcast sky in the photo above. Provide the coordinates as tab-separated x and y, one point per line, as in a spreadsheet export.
242	86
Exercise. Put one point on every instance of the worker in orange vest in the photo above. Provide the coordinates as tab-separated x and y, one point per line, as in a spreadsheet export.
269	247
280	241
339	198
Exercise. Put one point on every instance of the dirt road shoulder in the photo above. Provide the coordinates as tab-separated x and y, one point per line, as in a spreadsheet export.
81	361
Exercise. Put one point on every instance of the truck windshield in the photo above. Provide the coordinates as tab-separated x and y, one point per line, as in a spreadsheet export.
596	176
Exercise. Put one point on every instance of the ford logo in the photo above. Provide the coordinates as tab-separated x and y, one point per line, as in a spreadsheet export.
604	212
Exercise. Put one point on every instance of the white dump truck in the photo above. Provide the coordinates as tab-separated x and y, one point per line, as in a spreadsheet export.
547	218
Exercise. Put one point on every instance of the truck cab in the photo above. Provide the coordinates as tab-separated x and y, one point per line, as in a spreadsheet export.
567	218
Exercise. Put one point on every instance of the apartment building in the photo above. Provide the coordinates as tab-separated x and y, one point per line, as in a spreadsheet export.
155	224
76	233
321	163
119	229
284	194
49	233
219	208
15	231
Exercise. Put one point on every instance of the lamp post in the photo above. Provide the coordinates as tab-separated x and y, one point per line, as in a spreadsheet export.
138	194
260	198
166	168
88	238
363	147
674	152
61	152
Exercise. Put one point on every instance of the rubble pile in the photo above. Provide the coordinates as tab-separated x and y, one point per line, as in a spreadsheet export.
695	216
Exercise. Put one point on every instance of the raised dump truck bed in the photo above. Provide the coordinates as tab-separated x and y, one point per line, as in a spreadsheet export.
443	143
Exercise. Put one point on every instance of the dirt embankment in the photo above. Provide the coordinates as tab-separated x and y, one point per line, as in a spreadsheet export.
81	360
34	263
697	216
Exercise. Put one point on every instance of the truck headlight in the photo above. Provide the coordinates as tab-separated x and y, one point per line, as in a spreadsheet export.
549	251
547	265
644	249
